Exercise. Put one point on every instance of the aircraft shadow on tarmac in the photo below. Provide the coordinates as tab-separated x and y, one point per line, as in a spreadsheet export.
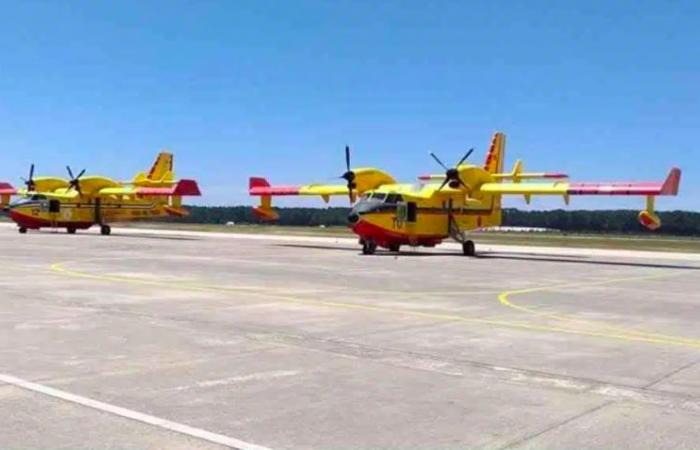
530	257
583	260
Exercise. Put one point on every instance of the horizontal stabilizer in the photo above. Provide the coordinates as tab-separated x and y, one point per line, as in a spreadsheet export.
183	188
180	189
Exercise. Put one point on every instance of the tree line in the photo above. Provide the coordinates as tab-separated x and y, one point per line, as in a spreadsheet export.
684	223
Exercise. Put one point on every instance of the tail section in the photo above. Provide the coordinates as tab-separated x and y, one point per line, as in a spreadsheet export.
496	155
162	169
494	165
160	172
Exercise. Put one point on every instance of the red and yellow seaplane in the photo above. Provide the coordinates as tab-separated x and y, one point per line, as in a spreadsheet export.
81	201
466	197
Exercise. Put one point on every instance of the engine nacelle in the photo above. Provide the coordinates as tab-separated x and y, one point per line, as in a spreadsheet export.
649	220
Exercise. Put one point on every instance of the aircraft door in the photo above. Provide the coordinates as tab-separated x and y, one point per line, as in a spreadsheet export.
411	212
54	206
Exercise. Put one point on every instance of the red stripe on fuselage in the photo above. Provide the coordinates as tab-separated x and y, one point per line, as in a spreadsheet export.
385	238
34	223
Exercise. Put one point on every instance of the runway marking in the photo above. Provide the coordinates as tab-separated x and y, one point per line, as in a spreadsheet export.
619	334
130	414
239	379
504	297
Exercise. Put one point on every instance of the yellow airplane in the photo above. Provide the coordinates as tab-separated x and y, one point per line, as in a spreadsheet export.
466	197
81	201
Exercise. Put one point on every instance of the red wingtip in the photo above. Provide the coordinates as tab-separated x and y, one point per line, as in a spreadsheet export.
187	187
258	182
672	183
7	189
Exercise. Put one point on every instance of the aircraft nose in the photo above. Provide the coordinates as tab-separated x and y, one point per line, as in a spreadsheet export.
353	217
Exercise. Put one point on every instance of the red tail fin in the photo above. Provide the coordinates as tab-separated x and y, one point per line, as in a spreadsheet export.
496	155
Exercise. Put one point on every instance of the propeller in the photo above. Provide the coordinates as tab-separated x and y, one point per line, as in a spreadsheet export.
349	175
452	173
31	186
75	181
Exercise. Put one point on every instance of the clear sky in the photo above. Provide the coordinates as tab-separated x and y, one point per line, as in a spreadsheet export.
601	90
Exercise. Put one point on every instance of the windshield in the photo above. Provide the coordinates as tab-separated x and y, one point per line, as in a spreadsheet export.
30	199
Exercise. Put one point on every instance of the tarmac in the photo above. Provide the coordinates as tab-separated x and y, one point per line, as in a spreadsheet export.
183	340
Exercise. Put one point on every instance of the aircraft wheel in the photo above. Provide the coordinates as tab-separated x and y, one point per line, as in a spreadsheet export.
369	247
22	230
71	230
468	248
105	230
395	248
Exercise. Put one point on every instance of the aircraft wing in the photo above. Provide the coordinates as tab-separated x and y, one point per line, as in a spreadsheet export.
667	187
260	187
180	189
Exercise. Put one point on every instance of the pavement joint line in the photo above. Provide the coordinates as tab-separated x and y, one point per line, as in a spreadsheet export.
626	335
158	422
672	373
559	424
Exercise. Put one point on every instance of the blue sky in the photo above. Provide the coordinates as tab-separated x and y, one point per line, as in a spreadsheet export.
601	90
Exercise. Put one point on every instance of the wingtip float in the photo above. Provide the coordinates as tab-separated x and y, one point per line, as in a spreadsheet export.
81	201
466	197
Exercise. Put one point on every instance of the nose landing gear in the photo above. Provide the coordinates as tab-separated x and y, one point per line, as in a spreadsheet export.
468	248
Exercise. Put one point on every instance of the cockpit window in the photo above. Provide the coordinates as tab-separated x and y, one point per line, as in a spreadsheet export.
378	196
394	198
36	197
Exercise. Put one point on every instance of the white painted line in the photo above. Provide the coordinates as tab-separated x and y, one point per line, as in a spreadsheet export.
260	376
129	414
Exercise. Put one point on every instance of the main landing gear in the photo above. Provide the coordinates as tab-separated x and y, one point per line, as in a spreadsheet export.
105	230
369	247
22	230
468	248
71	230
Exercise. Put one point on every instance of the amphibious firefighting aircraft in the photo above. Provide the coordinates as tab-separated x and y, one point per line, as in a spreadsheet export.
79	202
466	197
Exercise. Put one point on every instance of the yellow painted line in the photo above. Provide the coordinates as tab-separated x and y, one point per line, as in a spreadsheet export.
504	299
447	317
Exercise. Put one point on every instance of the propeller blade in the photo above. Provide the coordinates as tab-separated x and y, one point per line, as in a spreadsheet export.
70	172
471	150
80	174
31	172
438	160
347	157
444	183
